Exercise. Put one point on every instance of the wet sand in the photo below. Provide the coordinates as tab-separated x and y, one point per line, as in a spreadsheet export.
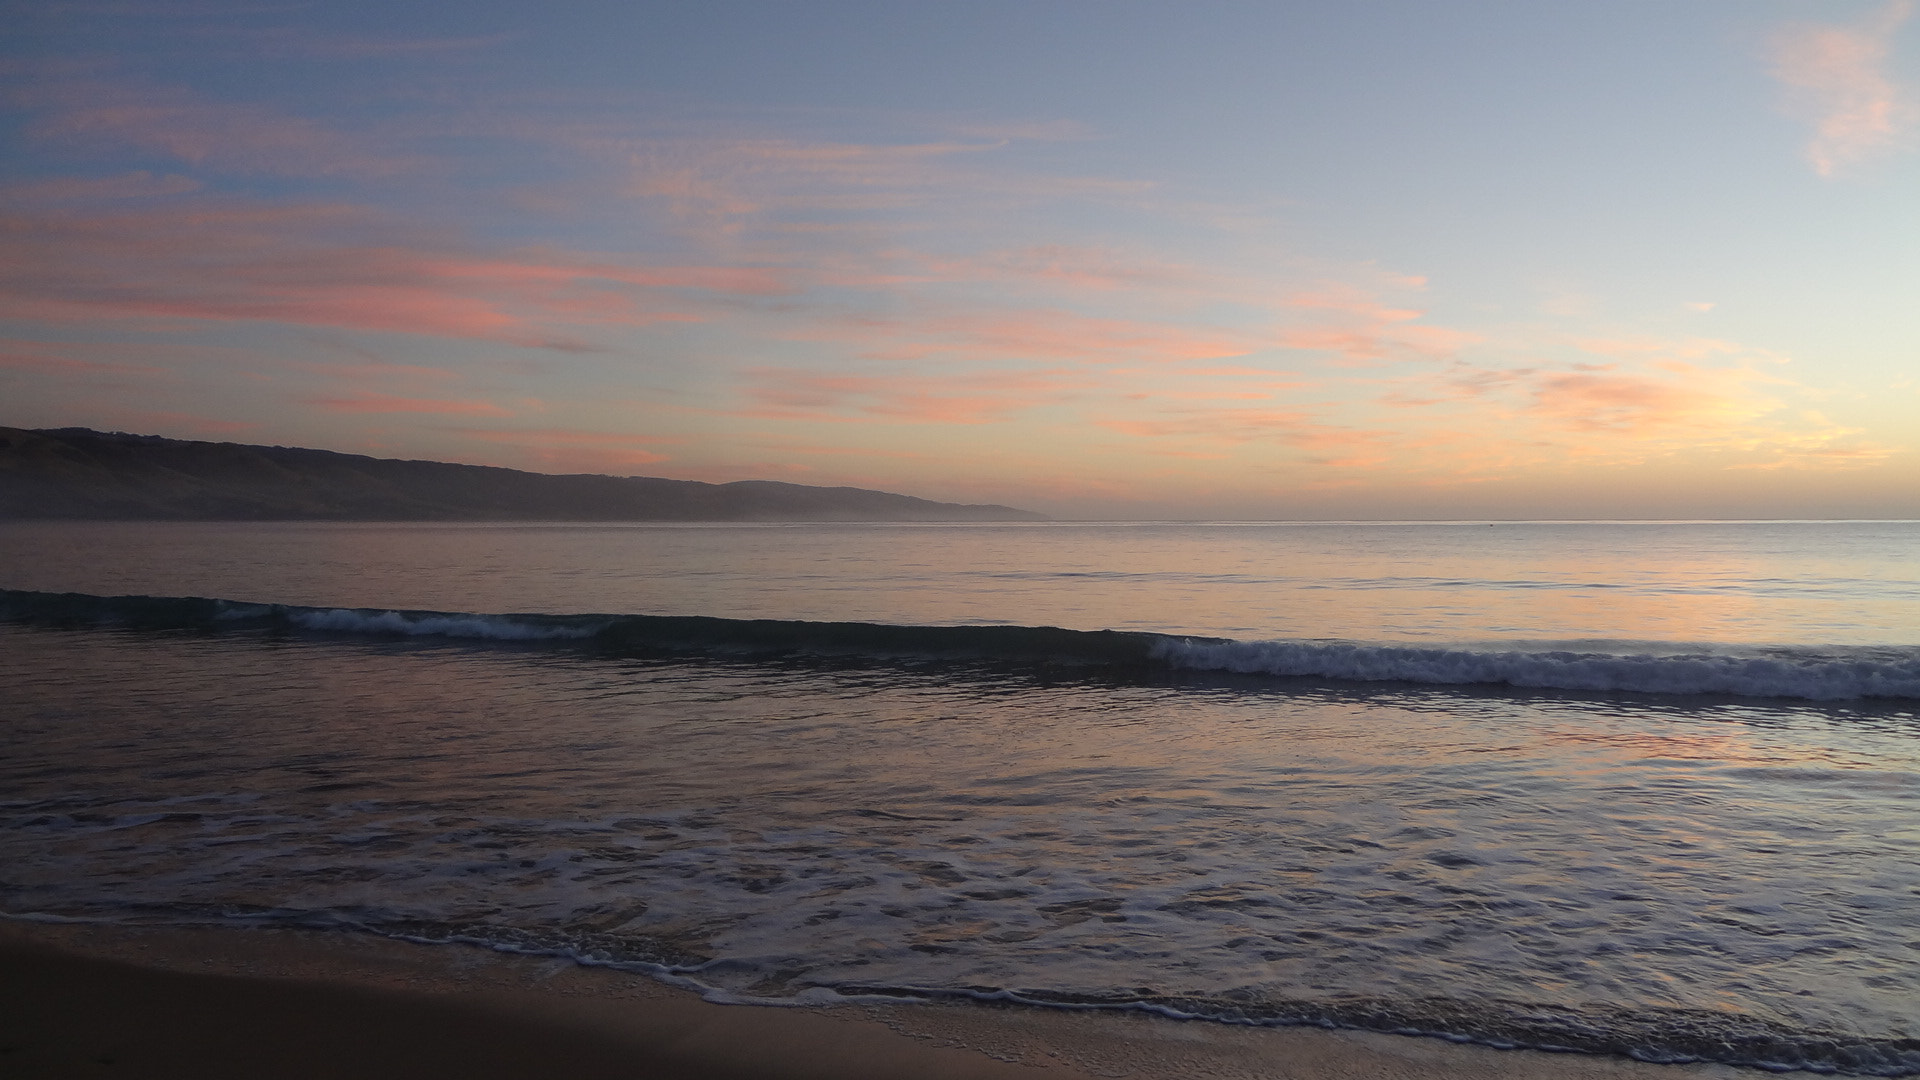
88	1001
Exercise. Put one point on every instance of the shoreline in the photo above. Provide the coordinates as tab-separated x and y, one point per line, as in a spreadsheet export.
82	1000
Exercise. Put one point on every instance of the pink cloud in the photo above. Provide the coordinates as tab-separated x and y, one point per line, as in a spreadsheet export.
1838	74
1483	421
1269	378
332	266
730	179
384	403
1663	396
225	137
133	185
49	363
1364	344
568	436
1069	268
831	450
377	371
284	41
1093	268
1216	425
1045	335
571	450
1091	339
1301	430
746	281
144	421
977	398
1630	402
1350	301
1468	423
716	186
1364	330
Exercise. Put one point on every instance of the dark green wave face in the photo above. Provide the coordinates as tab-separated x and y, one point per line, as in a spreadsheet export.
625	633
1825	674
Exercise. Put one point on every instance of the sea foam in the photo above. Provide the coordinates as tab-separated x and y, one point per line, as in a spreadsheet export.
1813	673
484	627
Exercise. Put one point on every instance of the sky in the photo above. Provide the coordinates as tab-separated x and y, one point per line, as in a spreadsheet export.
1106	259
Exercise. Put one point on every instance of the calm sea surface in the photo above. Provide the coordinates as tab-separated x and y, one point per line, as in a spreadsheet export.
1632	788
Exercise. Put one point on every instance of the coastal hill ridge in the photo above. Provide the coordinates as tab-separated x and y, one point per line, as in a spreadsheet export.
82	473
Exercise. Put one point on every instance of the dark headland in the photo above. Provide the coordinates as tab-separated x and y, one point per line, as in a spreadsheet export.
81	473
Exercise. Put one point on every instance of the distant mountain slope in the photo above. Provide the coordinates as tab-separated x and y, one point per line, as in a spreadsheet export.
80	473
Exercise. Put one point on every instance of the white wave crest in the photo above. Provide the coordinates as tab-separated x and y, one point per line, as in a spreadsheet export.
490	627
1816	676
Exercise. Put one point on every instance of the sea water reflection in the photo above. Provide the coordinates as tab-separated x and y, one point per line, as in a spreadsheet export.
1222	845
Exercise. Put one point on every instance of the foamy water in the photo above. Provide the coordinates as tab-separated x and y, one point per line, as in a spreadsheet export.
1489	821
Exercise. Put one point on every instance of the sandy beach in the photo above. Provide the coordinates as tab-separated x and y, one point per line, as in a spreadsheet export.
86	1001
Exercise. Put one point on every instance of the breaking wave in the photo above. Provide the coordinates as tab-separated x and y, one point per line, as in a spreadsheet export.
1831	673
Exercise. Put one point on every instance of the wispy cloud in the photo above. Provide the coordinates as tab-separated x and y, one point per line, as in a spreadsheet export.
85	189
1699	402
1838	74
295	42
890	296
556	449
1363	343
146	420
231	137
974	398
715	182
31	357
1072	270
1306	436
1361	328
1468	420
385	403
334	266
1622	413
988	333
718	188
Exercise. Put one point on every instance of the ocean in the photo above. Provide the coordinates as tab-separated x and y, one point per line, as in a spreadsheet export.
1635	788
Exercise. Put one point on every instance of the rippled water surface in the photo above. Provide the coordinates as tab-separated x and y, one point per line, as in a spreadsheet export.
1672	875
1749	582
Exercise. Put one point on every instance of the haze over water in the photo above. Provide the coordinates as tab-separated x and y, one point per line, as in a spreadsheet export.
1446	778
